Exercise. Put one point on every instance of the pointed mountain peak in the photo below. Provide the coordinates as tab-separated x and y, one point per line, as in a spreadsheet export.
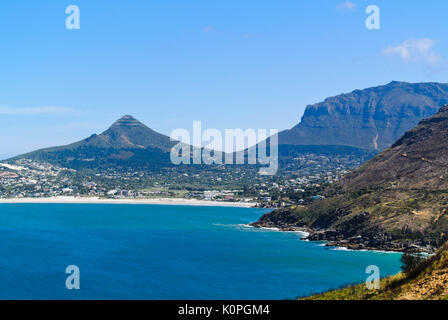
128	132
394	82
127	117
127	121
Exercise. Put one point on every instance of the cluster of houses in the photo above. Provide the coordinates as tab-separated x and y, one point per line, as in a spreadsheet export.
27	178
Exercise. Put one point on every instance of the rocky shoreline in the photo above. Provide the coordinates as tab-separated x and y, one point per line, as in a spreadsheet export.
333	238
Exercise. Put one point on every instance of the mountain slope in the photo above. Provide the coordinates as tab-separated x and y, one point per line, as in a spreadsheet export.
128	132
127	143
427	282
370	119
396	201
418	160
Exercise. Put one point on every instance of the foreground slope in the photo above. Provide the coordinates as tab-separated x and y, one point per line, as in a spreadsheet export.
396	201
428	282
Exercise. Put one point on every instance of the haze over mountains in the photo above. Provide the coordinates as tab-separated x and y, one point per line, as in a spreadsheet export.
358	122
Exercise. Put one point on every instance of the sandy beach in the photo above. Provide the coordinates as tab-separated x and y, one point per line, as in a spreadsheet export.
163	201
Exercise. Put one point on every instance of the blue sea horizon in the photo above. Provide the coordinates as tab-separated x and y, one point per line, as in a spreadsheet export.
166	252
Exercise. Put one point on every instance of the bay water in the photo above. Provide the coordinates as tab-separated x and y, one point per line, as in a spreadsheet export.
166	252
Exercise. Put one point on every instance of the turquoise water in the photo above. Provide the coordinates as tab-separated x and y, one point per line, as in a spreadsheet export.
165	252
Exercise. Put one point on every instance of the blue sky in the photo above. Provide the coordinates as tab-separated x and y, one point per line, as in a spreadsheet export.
230	64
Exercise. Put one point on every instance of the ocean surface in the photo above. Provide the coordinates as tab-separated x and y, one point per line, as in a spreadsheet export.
165	252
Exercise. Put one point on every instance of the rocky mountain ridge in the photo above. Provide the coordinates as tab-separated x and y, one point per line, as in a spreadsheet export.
371	118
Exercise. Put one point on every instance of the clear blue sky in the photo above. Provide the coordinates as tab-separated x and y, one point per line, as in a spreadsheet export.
231	63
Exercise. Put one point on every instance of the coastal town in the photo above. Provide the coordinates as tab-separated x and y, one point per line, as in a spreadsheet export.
299	182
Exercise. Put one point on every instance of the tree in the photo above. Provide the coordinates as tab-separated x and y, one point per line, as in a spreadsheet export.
409	262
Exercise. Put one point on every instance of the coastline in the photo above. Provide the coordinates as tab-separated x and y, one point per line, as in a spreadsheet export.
341	244
96	200
304	234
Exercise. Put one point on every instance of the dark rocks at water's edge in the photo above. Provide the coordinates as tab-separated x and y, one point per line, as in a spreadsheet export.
334	238
380	242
